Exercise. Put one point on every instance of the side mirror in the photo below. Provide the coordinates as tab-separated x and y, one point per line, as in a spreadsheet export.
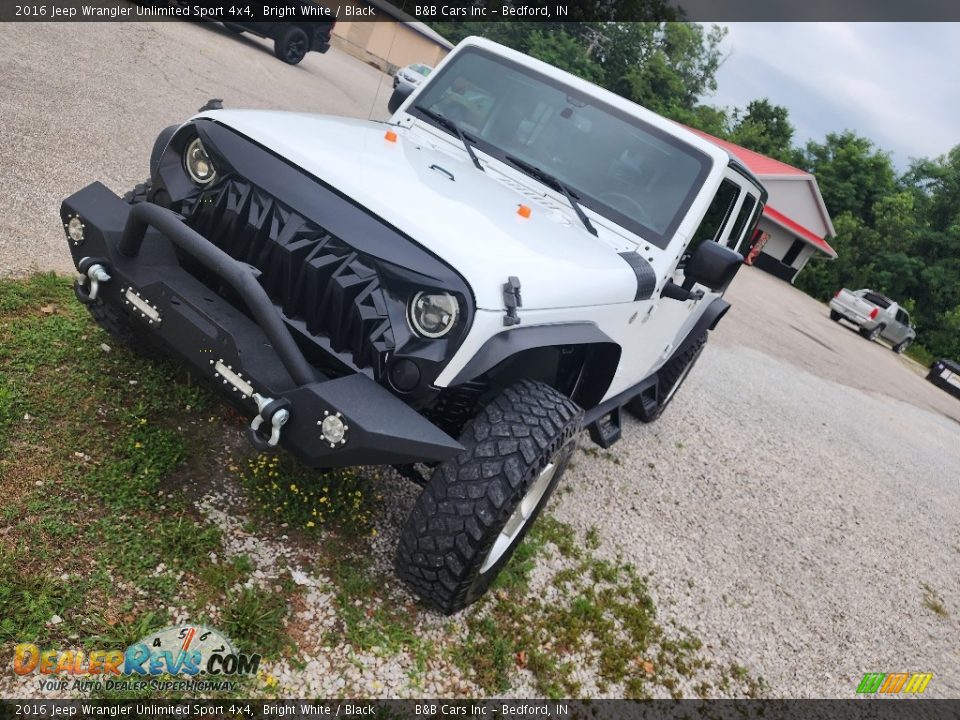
399	95
713	265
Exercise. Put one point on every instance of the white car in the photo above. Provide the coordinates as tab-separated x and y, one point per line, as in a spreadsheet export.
875	315
515	255
411	76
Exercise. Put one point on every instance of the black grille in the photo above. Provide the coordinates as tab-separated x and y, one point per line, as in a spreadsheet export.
312	275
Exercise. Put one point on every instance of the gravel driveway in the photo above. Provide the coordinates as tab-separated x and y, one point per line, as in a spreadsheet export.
802	527
798	506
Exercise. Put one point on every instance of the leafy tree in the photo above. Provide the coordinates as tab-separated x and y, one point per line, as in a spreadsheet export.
764	128
851	173
565	52
708	118
936	187
666	67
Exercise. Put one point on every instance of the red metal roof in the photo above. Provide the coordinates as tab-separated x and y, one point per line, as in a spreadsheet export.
756	163
799	230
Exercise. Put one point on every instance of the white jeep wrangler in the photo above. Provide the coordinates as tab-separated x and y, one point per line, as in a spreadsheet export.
517	254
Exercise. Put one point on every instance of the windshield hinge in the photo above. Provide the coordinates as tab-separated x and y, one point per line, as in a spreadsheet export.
511	300
212	104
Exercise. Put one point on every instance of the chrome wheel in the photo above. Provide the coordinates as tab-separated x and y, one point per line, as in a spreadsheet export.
518	519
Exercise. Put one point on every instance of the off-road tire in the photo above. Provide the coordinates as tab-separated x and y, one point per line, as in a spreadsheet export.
292	45
455	522
671	376
873	334
835	316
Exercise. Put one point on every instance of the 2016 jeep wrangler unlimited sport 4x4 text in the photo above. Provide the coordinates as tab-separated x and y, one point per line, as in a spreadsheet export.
514	256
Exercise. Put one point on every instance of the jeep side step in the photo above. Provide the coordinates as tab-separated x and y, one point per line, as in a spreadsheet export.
605	431
605	421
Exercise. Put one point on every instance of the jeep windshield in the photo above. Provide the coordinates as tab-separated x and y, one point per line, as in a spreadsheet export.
617	165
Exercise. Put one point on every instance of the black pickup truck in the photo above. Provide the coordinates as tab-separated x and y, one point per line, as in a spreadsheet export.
291	41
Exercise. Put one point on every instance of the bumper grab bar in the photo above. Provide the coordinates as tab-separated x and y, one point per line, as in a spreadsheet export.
235	273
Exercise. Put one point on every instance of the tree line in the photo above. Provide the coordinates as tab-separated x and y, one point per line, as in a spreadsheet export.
897	233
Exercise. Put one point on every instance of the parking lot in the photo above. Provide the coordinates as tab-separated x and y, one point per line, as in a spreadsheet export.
85	102
798	507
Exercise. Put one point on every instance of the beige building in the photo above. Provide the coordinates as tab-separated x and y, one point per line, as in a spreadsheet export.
390	42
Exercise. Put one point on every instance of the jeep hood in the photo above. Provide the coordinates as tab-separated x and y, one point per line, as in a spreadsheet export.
465	217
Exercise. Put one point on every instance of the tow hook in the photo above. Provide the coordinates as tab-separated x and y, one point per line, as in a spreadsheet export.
274	414
94	273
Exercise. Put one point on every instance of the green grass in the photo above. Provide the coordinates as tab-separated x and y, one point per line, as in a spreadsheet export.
920	354
102	535
254	619
604	616
283	490
90	490
378	622
90	441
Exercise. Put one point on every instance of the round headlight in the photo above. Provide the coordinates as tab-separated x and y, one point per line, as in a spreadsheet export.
198	164
433	315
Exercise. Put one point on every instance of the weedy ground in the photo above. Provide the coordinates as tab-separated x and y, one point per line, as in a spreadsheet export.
103	456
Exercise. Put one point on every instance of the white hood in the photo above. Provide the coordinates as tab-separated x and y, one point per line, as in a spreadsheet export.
470	222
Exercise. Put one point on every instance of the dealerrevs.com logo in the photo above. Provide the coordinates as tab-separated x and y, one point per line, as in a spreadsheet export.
172	658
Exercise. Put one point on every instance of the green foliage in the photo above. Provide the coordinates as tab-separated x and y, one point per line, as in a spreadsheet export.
91	497
898	236
764	128
665	66
602	615
852	174
376	622
287	491
29	598
254	620
565	52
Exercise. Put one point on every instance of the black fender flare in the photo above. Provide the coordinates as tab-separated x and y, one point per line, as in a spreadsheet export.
508	343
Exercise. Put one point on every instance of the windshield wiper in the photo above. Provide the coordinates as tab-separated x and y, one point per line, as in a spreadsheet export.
455	129
551	181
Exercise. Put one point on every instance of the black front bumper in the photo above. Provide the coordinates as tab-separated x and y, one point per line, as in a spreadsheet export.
138	246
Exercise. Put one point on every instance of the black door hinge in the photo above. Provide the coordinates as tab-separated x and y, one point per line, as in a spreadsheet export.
511	300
